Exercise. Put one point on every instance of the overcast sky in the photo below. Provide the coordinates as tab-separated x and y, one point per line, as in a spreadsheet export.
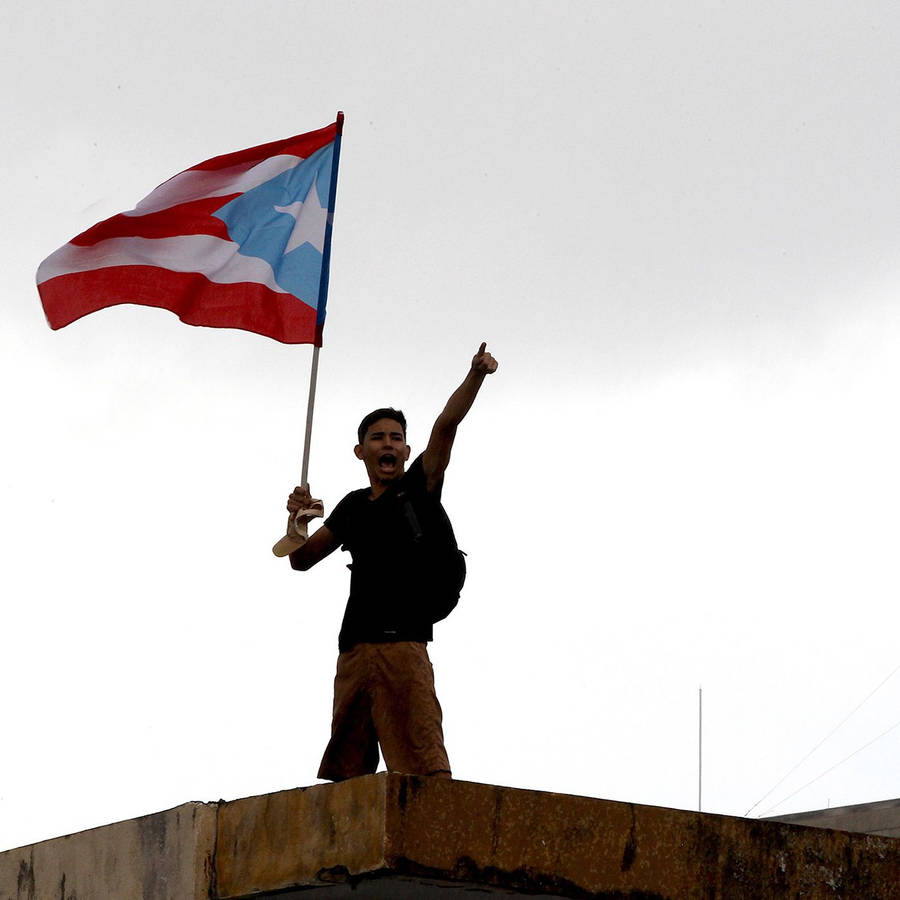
676	226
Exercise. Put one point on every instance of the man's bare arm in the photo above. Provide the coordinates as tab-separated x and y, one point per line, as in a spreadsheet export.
321	543
437	453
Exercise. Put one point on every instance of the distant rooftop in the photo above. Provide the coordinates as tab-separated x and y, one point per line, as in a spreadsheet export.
881	817
398	837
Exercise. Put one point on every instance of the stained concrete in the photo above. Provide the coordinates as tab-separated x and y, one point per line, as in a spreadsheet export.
395	837
164	856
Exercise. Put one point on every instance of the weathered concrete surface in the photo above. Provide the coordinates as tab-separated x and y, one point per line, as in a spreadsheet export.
882	817
575	846
314	835
454	832
164	856
394	837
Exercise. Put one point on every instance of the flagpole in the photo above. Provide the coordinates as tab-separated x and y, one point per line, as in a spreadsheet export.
323	296
700	753
313	375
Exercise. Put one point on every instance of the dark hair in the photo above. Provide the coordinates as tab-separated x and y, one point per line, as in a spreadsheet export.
386	412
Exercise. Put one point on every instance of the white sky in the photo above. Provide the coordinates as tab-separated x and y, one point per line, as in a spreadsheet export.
676	226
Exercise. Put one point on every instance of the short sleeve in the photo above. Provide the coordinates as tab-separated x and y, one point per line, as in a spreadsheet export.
338	522
414	480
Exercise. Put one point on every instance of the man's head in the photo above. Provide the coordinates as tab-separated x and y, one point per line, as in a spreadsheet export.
386	412
382	444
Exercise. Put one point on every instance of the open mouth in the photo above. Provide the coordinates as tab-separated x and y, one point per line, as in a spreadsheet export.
387	461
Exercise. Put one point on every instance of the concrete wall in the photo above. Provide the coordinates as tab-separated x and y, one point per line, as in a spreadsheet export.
164	856
392	836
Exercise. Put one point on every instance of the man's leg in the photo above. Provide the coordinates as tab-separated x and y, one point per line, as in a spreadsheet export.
353	748
406	711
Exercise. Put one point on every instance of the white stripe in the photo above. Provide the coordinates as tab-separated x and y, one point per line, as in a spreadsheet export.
195	184
213	257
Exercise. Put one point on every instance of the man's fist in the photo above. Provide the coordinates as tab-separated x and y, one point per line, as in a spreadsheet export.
482	362
300	499
303	509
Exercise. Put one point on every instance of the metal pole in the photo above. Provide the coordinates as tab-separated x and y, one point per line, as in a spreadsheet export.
700	756
314	371
323	294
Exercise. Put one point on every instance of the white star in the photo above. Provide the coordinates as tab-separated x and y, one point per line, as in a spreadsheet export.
309	224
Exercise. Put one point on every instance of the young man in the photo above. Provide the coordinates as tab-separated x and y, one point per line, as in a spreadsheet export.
384	687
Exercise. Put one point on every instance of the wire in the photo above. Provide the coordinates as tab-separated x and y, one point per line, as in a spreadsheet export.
808	783
830	733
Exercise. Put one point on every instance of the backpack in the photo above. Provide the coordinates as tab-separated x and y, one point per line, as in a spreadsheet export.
440	564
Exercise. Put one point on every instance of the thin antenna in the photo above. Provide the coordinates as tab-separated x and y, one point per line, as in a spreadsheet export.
700	755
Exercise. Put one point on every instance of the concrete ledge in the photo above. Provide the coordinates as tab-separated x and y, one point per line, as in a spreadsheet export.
164	856
316	835
580	847
395	836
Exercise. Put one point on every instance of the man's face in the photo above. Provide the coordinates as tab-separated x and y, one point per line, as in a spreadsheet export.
384	450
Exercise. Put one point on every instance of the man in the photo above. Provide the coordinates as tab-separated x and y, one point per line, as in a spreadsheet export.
399	536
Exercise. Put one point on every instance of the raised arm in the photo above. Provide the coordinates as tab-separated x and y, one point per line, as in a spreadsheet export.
437	453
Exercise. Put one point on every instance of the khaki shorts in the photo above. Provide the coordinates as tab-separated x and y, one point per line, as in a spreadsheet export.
384	694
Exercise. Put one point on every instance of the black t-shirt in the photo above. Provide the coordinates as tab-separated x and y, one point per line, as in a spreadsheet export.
386	602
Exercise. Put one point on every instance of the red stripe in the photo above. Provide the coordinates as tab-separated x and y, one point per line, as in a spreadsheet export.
193	298
195	217
299	145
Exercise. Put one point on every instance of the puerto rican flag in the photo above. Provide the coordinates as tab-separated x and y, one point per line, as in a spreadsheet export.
239	241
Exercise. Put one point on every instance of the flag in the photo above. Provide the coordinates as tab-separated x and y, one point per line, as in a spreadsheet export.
239	241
